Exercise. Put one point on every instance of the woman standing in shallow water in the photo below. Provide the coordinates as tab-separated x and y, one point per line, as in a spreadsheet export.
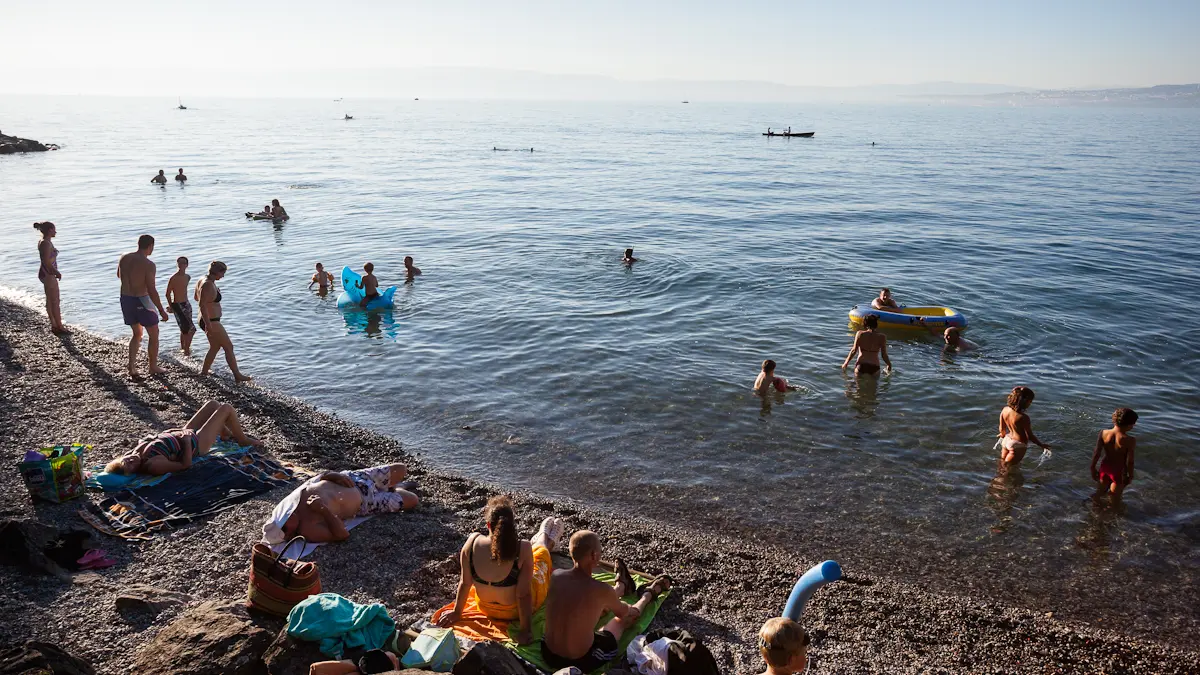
49	275
208	296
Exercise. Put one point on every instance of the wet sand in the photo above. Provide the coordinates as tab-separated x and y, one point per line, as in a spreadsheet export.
74	388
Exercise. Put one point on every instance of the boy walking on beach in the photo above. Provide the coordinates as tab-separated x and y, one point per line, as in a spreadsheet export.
179	305
1114	452
784	646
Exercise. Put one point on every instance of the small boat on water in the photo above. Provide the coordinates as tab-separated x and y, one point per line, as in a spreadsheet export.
910	317
799	134
348	117
181	105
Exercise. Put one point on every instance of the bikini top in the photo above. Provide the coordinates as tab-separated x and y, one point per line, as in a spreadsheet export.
514	574
168	444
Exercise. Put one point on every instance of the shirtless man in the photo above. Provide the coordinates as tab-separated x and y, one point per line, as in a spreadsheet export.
277	211
576	602
179	305
160	179
952	336
332	498
628	259
885	300
1016	430
871	345
180	177
1116	447
323	279
410	270
139	299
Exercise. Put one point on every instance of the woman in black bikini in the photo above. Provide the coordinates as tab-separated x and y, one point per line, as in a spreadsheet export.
503	578
871	346
174	449
209	298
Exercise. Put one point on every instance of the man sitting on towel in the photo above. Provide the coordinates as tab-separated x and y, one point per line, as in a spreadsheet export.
576	602
320	507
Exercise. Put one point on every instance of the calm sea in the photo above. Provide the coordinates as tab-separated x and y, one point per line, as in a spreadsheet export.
1067	236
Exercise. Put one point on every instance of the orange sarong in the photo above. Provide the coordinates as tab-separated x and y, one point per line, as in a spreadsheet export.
481	621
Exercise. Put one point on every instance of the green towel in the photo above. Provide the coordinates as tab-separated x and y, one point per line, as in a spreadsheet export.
339	624
532	652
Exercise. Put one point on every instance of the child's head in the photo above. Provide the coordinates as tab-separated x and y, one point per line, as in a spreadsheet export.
369	267
885	294
871	321
182	262
1124	418
784	645
628	253
1020	398
768	366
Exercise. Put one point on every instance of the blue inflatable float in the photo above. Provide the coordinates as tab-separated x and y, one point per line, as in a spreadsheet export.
352	293
910	317
808	584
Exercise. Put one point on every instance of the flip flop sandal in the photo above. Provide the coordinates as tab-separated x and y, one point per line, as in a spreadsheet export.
92	555
649	588
624	577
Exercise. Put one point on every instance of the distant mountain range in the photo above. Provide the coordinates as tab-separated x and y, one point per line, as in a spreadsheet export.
487	83
1163	95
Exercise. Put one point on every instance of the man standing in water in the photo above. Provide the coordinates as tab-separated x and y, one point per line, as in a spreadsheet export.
180	177
160	178
139	299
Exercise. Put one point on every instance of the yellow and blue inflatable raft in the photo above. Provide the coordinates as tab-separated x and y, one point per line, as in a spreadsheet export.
910	317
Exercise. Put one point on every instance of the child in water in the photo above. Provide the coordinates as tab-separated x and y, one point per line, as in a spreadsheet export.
629	259
1116	447
1016	430
323	279
784	646
370	284
767	380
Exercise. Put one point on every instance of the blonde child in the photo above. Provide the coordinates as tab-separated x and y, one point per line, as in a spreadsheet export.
784	646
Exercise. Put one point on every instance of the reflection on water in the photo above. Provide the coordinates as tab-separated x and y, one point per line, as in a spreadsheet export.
1003	492
863	390
375	323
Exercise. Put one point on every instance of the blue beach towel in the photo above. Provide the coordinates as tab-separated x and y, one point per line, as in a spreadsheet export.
98	479
340	624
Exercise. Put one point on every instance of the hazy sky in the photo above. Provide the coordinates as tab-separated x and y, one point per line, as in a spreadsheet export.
1046	43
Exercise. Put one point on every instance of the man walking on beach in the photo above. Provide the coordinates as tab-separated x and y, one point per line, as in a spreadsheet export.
139	299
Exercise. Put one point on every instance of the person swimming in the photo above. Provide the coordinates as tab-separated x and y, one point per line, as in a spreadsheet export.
628	258
1016	431
410	270
952	336
871	346
767	380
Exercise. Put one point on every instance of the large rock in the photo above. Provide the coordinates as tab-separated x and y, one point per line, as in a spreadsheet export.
213	638
39	548
42	658
140	600
12	144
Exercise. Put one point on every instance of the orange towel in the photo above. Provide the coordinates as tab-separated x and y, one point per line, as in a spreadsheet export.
489	621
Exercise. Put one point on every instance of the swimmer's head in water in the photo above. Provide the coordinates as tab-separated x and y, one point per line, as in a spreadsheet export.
585	547
182	262
408	261
180	169
126	465
951	335
145	244
628	253
768	366
885	294
1020	398
871	321
1124	418
160	172
783	644
369	267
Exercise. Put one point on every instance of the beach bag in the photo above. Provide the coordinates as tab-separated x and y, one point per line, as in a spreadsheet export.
434	649
277	583
686	655
55	474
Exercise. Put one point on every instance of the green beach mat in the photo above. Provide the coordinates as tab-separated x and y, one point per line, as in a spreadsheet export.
532	652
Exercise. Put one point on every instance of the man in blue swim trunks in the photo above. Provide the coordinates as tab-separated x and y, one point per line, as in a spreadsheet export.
139	300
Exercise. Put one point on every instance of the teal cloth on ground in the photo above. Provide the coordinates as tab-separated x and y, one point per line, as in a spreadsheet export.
98	479
339	624
532	652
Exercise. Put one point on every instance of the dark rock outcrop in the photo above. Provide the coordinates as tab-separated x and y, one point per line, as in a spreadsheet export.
140	600
42	657
12	144
213	638
40	548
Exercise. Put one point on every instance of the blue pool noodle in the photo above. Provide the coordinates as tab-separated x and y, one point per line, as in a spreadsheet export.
808	584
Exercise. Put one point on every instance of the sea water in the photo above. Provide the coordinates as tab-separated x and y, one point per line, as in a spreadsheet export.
527	354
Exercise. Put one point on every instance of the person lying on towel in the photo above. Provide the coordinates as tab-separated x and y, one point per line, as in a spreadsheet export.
173	449
318	509
577	601
503	577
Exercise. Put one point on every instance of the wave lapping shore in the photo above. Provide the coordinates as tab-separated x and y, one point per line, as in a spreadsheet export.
71	388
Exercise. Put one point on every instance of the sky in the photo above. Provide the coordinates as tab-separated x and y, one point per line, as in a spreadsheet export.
73	44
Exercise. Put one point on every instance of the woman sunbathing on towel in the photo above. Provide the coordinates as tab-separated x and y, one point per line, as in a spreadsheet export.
503	578
173	449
